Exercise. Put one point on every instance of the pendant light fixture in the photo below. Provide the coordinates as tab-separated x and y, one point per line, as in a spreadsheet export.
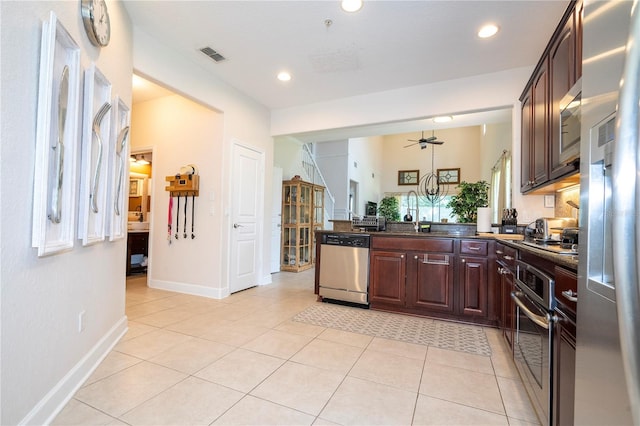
430	187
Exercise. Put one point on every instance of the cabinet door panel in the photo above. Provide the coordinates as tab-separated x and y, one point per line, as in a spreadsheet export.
562	78
430	282
387	277
508	308
474	280
526	141
540	126
564	371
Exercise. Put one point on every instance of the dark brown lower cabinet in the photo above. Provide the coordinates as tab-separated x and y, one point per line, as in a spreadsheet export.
137	244
430	282
564	356
474	285
507	308
387	272
564	369
432	277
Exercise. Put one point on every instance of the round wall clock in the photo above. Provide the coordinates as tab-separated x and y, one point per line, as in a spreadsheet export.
95	17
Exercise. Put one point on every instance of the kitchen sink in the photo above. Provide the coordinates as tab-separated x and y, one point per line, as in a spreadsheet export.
137	226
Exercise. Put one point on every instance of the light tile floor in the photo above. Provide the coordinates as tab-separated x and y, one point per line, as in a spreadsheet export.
241	360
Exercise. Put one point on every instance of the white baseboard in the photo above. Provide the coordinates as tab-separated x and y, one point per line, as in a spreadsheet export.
55	400
266	279
194	289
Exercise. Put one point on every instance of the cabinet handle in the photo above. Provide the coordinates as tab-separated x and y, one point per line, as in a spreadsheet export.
508	258
542	321
464	261
402	256
415	257
427	261
570	295
499	252
474	248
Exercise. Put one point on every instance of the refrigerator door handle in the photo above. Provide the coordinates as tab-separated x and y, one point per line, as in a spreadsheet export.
626	206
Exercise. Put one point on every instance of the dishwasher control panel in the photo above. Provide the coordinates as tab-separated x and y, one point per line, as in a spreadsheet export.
347	240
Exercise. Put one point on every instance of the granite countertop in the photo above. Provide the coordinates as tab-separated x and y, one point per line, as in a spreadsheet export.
512	240
566	260
433	234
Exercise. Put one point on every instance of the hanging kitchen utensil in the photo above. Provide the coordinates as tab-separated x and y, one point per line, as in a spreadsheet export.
178	217
193	208
169	219
97	121
63	100
122	137
184	229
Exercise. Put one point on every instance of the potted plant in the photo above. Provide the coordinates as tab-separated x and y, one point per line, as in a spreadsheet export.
465	204
390	209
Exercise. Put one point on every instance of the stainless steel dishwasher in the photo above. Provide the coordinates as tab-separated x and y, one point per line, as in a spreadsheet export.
344	267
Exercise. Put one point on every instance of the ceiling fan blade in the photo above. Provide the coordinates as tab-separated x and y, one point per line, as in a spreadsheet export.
411	144
434	142
412	140
430	138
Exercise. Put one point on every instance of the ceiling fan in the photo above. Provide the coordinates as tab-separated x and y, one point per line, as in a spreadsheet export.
433	140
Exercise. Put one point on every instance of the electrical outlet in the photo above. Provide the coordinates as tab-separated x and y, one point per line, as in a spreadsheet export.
81	321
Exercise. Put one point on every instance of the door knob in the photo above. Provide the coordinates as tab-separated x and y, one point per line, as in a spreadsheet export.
237	225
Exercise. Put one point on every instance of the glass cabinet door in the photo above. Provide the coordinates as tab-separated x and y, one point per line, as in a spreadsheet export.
302	207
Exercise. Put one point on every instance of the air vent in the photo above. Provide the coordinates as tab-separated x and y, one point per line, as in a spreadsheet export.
212	54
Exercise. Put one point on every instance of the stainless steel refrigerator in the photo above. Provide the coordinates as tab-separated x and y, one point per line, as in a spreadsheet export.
608	318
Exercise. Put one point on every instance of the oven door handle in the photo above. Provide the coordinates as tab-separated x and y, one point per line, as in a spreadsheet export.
542	321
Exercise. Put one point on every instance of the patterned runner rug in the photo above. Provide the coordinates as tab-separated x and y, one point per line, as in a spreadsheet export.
445	335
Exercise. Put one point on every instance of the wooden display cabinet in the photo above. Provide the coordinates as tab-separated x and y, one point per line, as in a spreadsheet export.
302	214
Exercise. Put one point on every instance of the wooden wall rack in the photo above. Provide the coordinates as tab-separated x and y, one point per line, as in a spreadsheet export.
183	185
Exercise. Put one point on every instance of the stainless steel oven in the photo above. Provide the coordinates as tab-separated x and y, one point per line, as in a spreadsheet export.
533	341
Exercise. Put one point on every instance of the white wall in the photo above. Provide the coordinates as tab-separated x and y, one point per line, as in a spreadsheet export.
460	150
244	120
332	158
478	93
43	355
287	154
497	138
182	132
367	153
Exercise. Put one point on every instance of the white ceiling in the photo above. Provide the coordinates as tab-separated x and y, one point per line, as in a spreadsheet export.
387	45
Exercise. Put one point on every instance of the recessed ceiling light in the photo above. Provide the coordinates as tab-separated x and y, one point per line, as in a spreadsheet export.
351	5
442	119
488	31
284	76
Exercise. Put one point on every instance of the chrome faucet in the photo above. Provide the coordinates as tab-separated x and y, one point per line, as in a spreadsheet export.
416	225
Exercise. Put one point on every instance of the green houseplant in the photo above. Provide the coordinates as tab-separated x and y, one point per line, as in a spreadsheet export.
390	209
465	204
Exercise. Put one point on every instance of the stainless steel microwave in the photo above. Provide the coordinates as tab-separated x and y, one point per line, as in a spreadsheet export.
570	109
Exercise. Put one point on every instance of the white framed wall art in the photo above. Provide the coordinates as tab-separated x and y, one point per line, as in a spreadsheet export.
118	171
57	141
96	135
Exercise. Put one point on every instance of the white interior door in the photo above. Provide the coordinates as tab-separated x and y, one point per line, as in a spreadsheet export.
247	204
276	219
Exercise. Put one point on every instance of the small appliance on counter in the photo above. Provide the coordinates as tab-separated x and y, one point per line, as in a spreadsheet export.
369	223
569	238
550	229
509	221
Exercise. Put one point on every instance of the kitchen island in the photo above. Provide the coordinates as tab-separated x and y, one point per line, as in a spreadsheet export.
448	274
